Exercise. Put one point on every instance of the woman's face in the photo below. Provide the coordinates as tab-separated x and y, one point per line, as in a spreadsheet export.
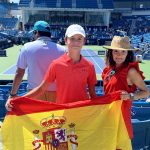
119	56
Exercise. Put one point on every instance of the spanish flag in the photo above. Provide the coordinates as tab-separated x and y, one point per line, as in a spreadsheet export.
85	125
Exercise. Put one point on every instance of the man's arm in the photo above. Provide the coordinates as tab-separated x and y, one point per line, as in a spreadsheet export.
17	80
16	83
92	92
92	82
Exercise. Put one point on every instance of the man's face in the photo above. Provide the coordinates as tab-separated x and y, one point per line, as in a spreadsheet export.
75	42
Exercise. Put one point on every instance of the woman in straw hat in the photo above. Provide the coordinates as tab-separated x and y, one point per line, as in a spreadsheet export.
122	73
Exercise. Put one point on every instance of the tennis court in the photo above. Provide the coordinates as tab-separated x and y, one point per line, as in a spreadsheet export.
7	70
88	53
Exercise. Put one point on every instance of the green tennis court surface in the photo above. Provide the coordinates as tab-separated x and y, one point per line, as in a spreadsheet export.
8	64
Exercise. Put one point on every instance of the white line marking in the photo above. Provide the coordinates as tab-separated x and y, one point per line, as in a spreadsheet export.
95	61
8	69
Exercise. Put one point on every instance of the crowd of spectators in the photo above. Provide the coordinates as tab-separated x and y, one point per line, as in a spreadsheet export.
137	28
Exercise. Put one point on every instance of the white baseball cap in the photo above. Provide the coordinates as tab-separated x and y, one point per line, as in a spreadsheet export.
74	29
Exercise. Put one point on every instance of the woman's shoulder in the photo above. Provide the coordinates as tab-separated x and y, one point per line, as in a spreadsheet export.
134	65
134	69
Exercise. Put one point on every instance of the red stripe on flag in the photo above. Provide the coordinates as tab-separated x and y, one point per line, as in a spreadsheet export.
21	104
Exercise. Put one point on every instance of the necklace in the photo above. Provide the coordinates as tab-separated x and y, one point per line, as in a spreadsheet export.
112	72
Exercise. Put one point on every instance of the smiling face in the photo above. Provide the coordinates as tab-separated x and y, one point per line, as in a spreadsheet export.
75	43
119	56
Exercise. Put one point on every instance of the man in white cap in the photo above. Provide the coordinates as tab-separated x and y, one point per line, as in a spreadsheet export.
72	72
36	57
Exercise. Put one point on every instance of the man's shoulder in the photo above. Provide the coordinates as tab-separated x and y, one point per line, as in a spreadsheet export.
28	44
59	47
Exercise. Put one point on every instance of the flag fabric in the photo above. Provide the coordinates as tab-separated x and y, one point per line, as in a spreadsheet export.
85	125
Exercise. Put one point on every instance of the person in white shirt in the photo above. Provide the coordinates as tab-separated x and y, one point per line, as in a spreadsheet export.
36	56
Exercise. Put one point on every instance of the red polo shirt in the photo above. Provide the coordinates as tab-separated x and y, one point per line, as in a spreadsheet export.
71	79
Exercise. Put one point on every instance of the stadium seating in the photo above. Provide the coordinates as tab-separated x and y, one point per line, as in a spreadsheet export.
24	3
7	88
86	4
3	10
3	99
141	131
2	53
66	4
99	90
146	55
141	125
141	112
8	22
45	3
4	93
107	4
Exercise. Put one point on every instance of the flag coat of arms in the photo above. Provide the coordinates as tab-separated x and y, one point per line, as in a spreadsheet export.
85	125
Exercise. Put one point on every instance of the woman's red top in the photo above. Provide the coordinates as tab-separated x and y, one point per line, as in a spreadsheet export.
116	80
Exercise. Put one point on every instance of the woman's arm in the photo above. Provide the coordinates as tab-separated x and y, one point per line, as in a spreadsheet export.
135	78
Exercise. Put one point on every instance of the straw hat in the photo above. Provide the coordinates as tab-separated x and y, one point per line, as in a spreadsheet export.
120	43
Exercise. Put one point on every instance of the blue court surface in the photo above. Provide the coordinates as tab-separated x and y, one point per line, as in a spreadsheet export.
10	70
87	53
95	59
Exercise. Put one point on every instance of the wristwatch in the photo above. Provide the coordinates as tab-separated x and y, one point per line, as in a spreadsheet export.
132	96
12	95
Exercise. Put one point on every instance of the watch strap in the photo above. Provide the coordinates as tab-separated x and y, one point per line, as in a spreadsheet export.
12	95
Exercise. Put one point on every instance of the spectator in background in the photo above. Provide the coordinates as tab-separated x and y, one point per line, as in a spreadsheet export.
72	72
36	57
122	73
